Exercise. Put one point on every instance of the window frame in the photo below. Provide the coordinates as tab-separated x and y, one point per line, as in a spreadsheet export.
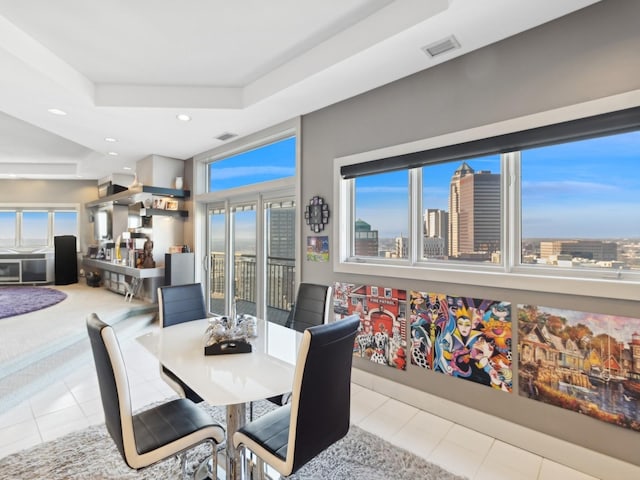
51	210
511	273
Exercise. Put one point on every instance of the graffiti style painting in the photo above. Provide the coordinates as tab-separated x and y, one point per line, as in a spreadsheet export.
463	337
382	336
585	362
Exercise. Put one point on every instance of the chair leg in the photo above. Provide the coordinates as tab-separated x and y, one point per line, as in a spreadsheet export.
183	465
214	460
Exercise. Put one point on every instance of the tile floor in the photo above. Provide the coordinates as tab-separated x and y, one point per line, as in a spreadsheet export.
74	403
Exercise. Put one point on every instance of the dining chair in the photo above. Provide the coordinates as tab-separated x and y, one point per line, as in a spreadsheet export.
179	304
312	307
319	413
160	432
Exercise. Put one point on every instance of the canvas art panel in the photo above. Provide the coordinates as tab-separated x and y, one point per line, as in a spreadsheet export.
382	335
581	361
463	337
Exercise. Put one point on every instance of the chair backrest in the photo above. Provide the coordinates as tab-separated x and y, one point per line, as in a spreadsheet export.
321	395
181	303
312	306
113	383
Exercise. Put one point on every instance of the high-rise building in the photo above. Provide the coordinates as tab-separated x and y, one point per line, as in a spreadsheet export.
366	240
282	227
474	213
436	233
597	250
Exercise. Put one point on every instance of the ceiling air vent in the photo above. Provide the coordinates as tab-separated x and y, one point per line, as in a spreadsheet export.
226	136
441	46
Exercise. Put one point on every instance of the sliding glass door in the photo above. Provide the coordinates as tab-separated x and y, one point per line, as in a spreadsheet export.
252	256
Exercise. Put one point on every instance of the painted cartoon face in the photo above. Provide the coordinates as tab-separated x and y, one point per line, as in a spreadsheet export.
464	325
482	349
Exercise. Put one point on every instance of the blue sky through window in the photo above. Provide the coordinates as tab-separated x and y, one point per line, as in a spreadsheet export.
268	162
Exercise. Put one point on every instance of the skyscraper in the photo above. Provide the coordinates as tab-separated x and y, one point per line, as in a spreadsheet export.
436	233
474	213
366	240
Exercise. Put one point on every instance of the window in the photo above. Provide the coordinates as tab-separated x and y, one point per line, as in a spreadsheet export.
461	210
269	162
251	233
35	227
557	201
381	222
7	228
593	183
32	228
65	223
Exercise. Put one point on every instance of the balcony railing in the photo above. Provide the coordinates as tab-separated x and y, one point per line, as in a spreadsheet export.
280	284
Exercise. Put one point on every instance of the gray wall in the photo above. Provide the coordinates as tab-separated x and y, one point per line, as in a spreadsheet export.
590	54
49	192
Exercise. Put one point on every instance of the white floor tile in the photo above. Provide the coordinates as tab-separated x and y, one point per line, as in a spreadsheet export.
388	418
457	458
20	443
505	456
422	433
363	403
59	418
469	440
554	471
52	399
18	414
14	433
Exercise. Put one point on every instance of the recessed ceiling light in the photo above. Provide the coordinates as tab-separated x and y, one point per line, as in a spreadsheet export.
113	154
110	139
183	117
126	168
57	111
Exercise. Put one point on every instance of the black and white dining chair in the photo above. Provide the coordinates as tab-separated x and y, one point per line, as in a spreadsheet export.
319	413
179	304
312	307
160	432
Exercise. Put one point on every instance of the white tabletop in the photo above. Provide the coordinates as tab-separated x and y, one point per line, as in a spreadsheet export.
233	378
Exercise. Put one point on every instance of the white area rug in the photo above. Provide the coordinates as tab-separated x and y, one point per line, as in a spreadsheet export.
91	453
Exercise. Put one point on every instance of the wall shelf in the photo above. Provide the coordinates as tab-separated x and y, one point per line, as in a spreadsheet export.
148	212
132	196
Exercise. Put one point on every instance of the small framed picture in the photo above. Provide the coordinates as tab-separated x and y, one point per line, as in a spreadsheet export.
159	203
171	205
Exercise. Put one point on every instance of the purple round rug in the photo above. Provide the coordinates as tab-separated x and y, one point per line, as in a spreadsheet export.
19	300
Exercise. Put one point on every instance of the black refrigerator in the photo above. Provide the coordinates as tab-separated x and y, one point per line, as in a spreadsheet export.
66	259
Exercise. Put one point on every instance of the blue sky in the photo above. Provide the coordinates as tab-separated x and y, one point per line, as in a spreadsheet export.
585	189
269	162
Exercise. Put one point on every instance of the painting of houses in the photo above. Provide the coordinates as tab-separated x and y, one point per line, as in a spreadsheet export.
586	362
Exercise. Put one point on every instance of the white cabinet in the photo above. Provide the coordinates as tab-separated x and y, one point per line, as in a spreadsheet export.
26	268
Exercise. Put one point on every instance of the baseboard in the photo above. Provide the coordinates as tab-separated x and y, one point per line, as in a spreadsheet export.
574	456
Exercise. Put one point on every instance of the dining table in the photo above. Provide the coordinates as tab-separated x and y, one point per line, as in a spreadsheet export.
232	379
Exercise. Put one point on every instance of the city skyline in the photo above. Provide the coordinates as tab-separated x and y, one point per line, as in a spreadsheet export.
597	201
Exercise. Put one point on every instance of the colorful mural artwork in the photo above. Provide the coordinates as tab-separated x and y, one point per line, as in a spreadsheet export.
585	362
382	337
463	337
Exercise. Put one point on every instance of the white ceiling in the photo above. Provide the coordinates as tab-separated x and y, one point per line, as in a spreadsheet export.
124	69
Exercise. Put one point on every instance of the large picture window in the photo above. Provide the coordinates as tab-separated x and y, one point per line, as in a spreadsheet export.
32	228
538	206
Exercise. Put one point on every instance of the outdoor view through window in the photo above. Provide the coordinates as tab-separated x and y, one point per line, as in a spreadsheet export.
579	208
